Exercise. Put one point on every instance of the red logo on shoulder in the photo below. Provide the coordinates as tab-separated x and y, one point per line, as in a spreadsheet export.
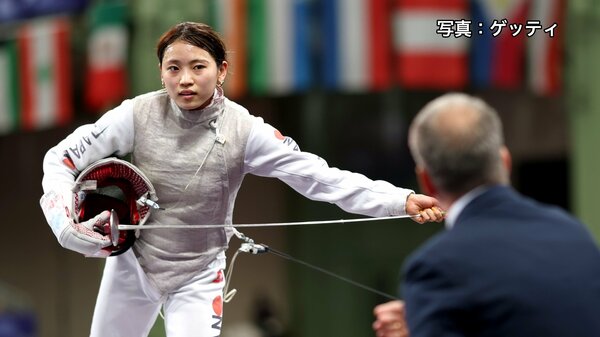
278	135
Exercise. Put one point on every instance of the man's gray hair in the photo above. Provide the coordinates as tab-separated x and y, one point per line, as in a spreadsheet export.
457	138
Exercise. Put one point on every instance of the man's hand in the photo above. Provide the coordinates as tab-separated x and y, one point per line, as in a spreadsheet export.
390	320
427	207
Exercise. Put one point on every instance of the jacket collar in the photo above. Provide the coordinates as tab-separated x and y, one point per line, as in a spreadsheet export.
476	201
210	112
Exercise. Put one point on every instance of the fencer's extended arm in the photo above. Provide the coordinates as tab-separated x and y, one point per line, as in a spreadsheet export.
112	134
270	154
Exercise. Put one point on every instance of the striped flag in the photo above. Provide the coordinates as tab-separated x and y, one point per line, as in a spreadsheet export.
106	81
426	59
352	44
498	61
278	46
280	30
302	46
9	90
230	21
356	44
258	69
381	51
44	55
544	55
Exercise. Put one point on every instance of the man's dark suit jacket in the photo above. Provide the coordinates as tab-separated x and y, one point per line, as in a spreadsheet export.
509	267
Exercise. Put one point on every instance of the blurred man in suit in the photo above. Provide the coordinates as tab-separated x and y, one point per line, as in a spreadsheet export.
506	265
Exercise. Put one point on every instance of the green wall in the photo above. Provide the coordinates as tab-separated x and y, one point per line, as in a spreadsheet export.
583	97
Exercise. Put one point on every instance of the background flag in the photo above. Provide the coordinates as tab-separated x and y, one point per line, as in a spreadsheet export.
329	51
106	81
352	39
280	53
381	49
44	65
356	44
426	59
302	37
498	61
279	47
230	21
258	64
9	87
544	54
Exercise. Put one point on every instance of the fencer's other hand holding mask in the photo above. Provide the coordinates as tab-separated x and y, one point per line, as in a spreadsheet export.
79	237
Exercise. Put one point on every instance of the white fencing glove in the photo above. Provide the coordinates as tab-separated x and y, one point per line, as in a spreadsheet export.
79	237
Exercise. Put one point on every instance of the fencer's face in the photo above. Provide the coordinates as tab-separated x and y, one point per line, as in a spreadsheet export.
190	75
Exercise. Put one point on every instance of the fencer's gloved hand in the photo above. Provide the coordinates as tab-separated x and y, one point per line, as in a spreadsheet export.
79	237
82	238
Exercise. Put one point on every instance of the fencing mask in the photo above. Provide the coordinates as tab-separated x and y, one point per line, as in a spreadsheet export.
118	186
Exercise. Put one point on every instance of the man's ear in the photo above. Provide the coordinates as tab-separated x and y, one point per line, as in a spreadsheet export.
506	159
425	182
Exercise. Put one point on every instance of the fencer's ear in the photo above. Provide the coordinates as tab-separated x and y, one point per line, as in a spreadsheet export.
223	66
425	183
223	71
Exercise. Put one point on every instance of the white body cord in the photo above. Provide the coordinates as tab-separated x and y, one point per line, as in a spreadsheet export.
272	224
